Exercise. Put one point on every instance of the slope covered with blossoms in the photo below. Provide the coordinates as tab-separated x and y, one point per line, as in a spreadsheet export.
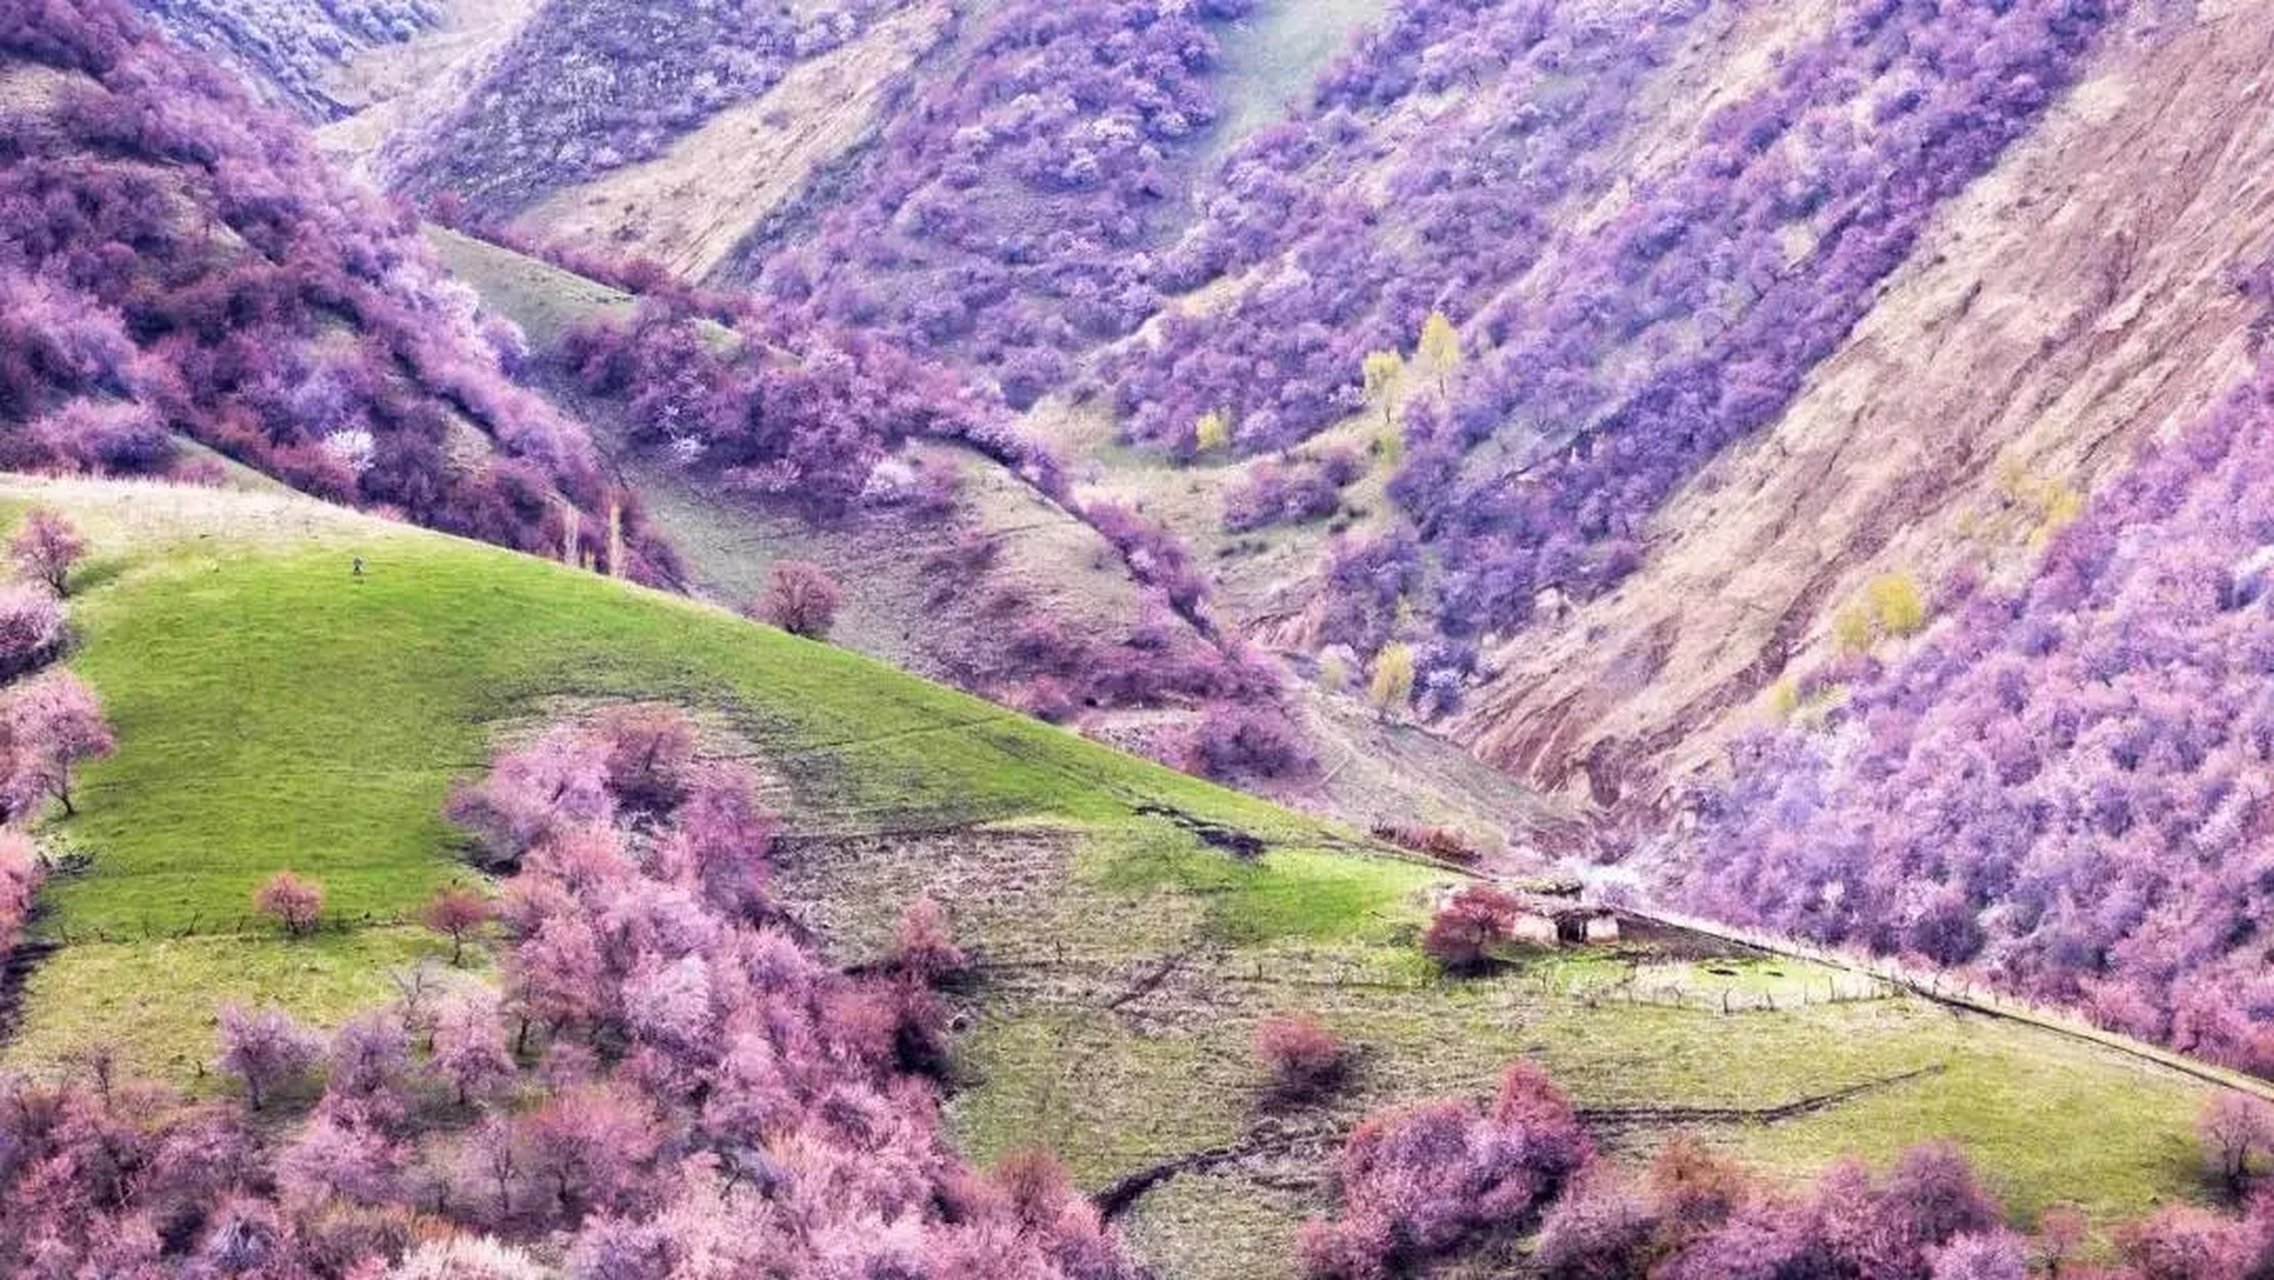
293	49
1006	216
1689	317
1605	357
1431	170
589	86
2065	784
175	262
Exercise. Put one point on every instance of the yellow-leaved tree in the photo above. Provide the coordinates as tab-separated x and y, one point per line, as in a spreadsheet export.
1385	381
1213	433
1393	678
1440	350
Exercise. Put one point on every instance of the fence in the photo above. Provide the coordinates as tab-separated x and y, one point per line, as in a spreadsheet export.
248	924
1952	991
1335	969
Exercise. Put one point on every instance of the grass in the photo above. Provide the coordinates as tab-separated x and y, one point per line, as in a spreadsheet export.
274	710
543	299
1291	893
153	1002
2047	1121
1272	60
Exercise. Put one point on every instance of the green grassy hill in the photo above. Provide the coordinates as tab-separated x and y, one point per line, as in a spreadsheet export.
275	711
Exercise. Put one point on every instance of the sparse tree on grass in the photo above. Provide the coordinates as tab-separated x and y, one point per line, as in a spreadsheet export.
800	598
45	548
264	1049
47	729
2235	1129
1463	932
293	901
457	913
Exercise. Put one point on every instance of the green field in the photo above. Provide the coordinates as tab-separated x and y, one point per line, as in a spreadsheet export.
275	711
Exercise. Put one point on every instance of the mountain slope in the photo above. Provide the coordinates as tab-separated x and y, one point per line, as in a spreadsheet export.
936	592
178	263
2082	299
1128	939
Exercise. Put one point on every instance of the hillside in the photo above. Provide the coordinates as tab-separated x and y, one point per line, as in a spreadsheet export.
1123	958
1257	267
2080	301
178	264
934	592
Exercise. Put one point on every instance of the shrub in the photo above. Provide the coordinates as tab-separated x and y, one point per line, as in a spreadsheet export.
1234	742
1896	604
1274	493
467	1258
800	598
45	547
21	871
1602	1229
1300	1055
1449	844
923	945
31	629
1424	1181
292	901
650	750
1392	685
